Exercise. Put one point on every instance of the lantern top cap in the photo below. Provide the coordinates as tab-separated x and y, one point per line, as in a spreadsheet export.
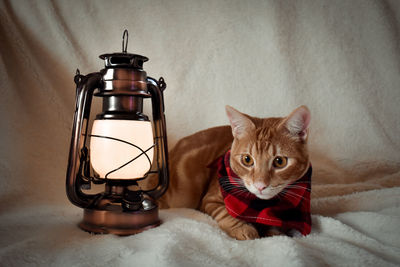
123	59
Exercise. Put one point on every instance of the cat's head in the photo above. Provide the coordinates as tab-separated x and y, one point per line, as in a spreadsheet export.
268	154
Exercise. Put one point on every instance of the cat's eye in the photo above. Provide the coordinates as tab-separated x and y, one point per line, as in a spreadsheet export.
247	160
280	162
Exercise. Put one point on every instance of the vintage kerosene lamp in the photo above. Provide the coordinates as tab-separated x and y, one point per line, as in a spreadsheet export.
122	146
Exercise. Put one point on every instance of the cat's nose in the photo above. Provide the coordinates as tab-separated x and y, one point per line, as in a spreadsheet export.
260	186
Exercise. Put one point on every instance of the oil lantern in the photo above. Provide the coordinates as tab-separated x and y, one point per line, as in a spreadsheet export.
123	147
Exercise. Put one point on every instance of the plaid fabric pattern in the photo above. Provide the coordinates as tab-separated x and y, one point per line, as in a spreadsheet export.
289	210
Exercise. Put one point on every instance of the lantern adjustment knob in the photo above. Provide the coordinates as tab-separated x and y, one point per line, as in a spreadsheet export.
148	204
132	200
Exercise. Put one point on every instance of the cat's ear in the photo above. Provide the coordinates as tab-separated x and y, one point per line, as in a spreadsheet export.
240	123
297	122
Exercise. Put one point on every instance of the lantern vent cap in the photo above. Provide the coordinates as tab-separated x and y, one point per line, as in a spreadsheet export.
124	59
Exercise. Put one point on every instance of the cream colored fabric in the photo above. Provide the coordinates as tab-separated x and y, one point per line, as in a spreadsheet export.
340	58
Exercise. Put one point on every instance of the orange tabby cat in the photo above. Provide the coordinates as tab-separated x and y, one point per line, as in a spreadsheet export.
267	154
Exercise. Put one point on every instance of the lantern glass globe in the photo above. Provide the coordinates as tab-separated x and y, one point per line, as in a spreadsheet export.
114	143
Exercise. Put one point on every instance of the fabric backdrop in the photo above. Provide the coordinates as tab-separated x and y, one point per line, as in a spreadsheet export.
340	58
265	58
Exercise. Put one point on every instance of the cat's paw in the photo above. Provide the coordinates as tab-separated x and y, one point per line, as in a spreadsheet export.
294	233
274	231
243	232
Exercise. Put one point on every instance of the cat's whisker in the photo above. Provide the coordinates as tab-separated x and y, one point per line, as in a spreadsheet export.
302	189
294	195
301	182
284	195
231	180
287	197
230	185
287	193
279	196
227	188
239	192
299	187
235	188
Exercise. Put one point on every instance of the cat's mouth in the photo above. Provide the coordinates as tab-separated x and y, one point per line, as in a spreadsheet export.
265	193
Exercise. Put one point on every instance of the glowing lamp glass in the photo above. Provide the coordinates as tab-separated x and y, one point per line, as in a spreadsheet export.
107	155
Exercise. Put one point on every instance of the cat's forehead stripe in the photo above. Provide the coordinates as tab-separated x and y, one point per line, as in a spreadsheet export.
262	147
277	150
263	133
270	149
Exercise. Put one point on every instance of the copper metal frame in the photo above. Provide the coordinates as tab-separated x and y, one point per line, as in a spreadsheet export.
118	222
104	212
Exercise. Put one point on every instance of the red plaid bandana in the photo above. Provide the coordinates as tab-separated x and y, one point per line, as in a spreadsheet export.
289	210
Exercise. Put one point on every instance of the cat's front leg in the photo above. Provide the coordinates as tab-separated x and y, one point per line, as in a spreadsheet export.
213	204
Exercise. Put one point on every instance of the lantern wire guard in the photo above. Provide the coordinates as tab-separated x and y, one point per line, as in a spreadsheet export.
123	208
143	152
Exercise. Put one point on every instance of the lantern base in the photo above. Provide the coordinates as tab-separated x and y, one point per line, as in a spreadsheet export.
116	221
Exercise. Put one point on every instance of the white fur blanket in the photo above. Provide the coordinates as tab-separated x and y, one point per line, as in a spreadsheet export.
340	58
356	229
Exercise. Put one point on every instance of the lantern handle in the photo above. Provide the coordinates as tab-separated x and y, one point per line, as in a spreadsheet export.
125	37
85	86
156	88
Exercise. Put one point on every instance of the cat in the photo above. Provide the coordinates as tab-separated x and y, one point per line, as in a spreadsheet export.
266	154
